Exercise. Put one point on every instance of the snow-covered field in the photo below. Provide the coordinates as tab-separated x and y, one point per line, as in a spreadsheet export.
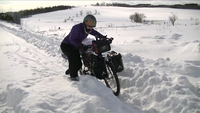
162	63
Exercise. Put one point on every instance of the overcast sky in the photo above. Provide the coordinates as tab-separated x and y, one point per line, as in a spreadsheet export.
16	5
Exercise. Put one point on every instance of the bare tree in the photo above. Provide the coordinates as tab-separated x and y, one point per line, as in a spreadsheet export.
173	18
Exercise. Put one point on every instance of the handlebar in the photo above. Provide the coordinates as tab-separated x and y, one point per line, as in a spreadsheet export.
103	38
109	39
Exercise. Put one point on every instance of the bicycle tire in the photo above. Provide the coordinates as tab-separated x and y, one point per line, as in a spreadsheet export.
112	81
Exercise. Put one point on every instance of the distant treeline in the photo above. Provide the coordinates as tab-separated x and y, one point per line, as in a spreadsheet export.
180	6
27	13
16	16
13	17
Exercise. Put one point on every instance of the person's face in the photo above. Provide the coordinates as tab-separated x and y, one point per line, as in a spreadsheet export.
89	25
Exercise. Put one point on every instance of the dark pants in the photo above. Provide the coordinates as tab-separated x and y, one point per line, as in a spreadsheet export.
73	58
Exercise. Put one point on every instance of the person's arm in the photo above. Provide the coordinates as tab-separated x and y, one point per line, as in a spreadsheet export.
97	34
73	37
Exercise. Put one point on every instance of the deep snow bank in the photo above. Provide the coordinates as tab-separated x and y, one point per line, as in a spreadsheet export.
157	93
58	94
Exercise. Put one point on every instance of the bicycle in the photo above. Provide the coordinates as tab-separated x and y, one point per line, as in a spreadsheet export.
99	65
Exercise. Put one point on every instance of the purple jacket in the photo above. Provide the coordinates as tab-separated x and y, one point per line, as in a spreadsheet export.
77	35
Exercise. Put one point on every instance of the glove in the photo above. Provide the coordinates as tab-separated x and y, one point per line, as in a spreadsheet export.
110	39
104	36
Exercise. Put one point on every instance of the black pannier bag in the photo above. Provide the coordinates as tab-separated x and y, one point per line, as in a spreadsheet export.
116	59
101	46
98	66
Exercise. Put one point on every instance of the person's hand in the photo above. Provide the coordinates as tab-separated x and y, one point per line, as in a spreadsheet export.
110	39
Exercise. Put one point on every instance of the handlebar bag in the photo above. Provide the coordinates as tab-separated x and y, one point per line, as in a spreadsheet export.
116	59
101	46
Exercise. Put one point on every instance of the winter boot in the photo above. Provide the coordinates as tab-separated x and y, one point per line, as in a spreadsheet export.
67	72
74	78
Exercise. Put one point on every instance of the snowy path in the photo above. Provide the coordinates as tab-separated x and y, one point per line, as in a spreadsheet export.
161	67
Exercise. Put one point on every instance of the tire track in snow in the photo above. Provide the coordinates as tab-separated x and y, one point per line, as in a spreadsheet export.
31	58
51	47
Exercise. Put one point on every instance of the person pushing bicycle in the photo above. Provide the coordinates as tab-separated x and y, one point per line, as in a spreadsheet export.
72	42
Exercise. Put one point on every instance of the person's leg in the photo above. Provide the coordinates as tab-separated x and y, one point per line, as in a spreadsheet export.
66	49
73	58
74	63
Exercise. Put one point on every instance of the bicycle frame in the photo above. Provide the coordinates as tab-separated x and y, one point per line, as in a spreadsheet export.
86	59
111	80
86	54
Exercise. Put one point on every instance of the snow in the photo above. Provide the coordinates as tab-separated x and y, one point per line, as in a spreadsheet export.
162	64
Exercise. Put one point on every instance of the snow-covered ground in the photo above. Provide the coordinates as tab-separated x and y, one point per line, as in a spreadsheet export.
162	63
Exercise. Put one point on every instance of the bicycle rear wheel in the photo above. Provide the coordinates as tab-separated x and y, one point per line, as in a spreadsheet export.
112	80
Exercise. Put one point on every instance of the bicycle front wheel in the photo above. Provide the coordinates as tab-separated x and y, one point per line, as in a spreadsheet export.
112	80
